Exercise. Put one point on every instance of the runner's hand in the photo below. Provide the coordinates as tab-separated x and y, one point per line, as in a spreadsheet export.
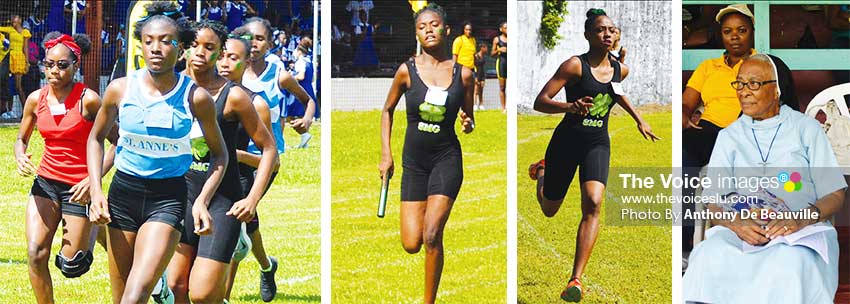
581	106
25	167
466	121
80	192
646	131
203	220
99	210
300	125
386	167
243	210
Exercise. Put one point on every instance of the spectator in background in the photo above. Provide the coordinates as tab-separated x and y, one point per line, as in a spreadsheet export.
19	37
355	8
214	11
280	46
365	56
5	95
480	75
36	24
463	47
56	16
234	11
120	67
81	15
32	79
303	73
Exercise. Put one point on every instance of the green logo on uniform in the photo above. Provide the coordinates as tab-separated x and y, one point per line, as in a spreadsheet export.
199	147
601	104
432	113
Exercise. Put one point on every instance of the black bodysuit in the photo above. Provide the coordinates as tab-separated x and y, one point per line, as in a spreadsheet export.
581	141
432	156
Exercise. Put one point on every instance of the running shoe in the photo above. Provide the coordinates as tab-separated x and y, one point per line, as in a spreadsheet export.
535	167
161	294
573	291
305	138
243	245
268	287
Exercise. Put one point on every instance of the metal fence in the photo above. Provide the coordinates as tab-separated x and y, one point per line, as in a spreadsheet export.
106	23
393	41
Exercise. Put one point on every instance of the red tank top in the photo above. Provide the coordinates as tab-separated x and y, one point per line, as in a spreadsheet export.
65	137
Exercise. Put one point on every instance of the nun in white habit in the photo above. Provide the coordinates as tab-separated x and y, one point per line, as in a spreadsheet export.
772	142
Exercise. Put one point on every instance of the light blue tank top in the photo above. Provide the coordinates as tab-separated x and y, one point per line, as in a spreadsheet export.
154	131
267	86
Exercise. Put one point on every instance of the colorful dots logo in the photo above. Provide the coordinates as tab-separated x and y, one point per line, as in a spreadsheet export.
792	182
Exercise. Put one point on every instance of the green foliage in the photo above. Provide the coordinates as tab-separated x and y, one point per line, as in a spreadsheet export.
554	12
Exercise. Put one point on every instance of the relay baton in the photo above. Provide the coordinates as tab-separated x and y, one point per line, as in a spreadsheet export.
382	202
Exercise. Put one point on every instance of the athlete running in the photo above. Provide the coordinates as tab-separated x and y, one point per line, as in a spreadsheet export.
436	89
63	111
155	109
592	85
197	271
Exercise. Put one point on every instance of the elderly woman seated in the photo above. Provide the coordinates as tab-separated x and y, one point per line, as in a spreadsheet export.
768	142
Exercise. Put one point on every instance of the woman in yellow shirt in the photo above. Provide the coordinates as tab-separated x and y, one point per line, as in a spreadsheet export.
18	54
709	86
463	48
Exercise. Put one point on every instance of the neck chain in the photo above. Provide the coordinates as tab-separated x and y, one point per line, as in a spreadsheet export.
761	155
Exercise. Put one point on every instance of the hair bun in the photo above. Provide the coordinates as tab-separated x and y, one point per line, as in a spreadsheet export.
84	42
593	12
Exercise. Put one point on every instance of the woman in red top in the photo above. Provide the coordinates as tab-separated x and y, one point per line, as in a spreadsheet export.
64	112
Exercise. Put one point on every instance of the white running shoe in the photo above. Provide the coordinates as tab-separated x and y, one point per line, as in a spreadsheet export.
243	245
161	294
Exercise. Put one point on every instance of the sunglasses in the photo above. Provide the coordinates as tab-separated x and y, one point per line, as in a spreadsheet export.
61	64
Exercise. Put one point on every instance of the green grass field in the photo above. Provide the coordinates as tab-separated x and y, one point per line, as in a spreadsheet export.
369	264
290	226
630	264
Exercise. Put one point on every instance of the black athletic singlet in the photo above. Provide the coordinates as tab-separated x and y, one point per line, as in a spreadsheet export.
432	156
582	141
502	60
199	170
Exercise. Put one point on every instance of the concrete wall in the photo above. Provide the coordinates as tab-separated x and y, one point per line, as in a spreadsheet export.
646	32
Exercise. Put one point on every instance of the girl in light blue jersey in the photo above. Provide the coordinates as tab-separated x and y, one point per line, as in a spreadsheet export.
155	108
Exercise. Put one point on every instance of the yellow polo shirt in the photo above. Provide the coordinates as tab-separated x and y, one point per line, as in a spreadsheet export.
712	80
464	48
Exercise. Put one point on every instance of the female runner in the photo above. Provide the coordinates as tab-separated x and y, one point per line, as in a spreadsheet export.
435	88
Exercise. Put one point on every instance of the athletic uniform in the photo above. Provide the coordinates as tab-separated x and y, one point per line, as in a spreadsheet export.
581	141
480	74
220	243
153	154
246	172
294	107
431	158
63	163
502	60
266	85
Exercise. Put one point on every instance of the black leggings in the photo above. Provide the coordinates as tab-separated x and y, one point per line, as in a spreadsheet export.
566	153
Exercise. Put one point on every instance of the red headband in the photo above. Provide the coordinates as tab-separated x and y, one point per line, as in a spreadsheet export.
65	40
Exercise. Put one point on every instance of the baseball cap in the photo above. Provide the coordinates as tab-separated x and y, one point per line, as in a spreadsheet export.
734	8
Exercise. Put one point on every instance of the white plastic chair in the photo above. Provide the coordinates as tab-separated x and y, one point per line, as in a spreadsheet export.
836	93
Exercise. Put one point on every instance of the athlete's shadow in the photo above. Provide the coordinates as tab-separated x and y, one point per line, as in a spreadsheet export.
285	297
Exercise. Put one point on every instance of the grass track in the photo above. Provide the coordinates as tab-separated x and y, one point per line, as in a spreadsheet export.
629	264
369	265
290	226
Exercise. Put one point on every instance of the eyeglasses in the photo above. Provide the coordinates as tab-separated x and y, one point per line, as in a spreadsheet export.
61	64
752	85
